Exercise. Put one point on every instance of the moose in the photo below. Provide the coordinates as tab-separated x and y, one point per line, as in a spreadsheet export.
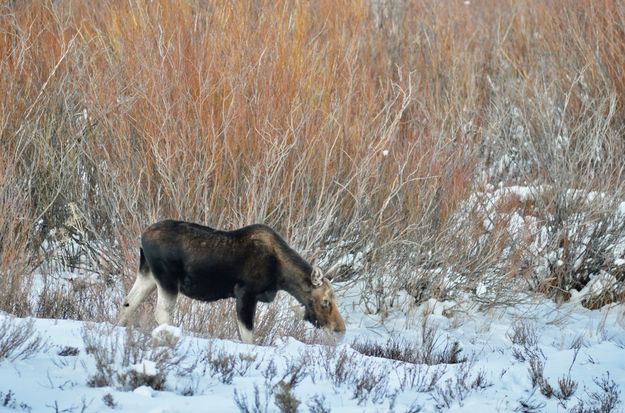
249	264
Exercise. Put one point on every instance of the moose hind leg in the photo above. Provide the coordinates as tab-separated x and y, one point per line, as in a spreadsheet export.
246	308
165	304
144	285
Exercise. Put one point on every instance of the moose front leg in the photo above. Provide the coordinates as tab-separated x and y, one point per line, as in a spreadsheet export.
246	308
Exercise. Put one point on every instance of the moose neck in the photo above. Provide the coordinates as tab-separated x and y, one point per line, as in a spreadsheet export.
295	271
296	281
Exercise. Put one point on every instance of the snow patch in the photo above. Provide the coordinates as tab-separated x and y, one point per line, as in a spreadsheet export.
166	335
147	367
144	391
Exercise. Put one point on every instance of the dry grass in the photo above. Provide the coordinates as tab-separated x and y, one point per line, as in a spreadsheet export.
350	127
19	339
134	350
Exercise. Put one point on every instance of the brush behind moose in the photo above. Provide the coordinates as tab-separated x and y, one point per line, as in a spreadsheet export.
250	264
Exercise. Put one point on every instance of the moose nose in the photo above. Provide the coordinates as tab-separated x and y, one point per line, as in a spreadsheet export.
339	326
339	335
339	330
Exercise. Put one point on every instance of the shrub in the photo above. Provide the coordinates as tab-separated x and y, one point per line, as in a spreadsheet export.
130	359
19	340
377	136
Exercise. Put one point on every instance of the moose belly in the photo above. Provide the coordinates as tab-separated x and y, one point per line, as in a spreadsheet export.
207	288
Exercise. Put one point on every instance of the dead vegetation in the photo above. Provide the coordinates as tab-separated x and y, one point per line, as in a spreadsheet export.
379	131
133	358
19	339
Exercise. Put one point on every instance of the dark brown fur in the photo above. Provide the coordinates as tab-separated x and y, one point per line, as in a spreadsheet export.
250	264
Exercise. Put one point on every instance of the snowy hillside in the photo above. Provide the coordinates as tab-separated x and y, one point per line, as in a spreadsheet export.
442	357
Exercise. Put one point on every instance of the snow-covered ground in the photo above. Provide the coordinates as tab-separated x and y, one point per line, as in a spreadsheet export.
491	367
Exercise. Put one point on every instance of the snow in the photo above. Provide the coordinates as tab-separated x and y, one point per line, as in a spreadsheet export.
570	340
166	334
144	391
145	367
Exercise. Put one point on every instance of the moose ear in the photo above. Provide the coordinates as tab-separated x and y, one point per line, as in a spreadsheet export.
316	277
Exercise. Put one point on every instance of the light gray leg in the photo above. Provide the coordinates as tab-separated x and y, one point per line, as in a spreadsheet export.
165	305
144	285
